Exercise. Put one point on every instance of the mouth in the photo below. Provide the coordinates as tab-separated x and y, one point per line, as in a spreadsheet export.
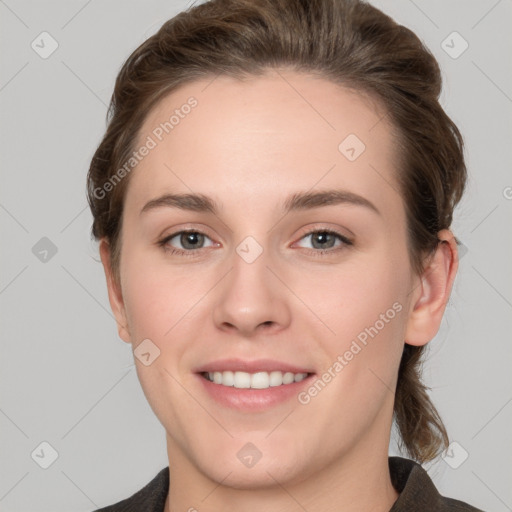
252	386
258	380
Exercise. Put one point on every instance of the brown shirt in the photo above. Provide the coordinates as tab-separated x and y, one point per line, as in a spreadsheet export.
417	492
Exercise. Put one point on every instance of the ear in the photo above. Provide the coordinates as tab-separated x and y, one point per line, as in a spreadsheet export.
432	291
115	295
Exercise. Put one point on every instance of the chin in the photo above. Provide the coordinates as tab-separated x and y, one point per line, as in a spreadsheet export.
259	464
262	476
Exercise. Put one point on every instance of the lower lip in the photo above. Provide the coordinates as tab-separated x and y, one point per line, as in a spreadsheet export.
253	400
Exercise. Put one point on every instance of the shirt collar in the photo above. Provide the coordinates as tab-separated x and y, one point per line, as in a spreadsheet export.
417	491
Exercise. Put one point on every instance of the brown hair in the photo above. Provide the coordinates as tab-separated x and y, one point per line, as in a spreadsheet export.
348	42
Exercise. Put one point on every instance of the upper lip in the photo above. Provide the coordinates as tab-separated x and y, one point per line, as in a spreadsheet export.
255	366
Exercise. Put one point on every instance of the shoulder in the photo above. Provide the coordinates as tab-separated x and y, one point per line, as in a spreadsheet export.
417	491
151	498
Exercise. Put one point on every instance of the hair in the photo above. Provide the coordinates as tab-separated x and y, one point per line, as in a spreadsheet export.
347	42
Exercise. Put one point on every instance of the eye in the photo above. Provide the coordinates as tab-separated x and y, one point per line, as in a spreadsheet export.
189	240
326	240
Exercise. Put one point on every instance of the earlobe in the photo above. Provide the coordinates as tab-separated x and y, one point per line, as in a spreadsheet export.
433	291
115	295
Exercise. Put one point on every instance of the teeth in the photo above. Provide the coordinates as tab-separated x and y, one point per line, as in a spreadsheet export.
288	378
259	380
276	378
242	380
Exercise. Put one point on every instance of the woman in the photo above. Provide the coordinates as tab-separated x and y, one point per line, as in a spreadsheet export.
273	200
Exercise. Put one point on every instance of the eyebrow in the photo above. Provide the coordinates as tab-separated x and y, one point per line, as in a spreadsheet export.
295	202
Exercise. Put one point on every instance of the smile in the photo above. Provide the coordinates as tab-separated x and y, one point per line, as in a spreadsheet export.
258	380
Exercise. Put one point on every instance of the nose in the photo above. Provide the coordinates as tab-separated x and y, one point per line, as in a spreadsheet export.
250	299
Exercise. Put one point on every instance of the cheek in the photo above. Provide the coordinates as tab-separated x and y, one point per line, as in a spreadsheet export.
349	298
157	297
161	303
360	312
359	352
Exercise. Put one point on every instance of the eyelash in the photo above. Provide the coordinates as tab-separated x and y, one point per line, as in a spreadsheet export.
315	252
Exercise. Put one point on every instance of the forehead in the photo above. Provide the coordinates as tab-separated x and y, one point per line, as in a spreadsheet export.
280	131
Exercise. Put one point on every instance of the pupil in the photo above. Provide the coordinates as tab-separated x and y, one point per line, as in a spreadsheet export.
190	240
322	238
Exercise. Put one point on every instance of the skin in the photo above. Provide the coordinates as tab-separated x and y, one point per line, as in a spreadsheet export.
249	145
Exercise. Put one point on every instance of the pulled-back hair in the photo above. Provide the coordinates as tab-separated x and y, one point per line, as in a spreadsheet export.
348	42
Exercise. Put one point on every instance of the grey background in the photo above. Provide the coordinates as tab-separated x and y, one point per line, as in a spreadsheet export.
67	379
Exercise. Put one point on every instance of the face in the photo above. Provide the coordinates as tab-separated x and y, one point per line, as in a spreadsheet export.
292	277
